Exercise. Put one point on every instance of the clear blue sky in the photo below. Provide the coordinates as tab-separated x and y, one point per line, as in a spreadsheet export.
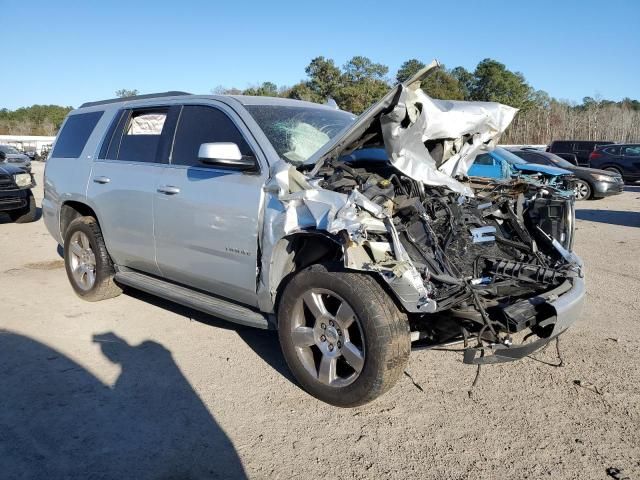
64	52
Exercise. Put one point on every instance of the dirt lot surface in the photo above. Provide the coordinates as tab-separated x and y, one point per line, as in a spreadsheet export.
136	387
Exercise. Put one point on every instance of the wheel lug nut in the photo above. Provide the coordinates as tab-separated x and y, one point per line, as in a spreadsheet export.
339	344
339	332
331	322
323	338
331	347
323	326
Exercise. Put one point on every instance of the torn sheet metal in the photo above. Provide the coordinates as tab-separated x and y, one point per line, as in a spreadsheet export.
463	128
293	204
406	117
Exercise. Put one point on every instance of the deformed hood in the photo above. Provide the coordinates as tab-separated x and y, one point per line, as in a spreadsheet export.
429	140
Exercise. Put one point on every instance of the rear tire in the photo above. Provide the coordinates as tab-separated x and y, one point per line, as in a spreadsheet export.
87	262
26	215
368	349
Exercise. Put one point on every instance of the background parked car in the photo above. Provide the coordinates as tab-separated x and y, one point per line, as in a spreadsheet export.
622	159
13	156
502	164
16	198
569	157
589	183
580	148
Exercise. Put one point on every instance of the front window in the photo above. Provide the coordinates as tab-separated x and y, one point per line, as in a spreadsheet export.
296	133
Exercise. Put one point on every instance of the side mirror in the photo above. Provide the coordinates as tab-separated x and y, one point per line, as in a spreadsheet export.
3	156
225	154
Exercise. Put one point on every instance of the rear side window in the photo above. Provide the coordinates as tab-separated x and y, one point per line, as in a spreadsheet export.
612	150
561	147
631	151
141	135
74	135
198	125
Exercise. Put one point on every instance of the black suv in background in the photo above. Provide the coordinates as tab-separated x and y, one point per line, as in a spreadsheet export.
623	159
580	148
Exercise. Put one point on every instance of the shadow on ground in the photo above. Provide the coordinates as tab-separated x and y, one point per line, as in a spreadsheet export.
4	218
612	217
59	421
263	342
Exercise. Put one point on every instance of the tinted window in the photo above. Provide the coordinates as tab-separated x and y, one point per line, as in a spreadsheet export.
561	147
110	145
74	134
141	135
612	150
532	157
198	125
483	159
631	151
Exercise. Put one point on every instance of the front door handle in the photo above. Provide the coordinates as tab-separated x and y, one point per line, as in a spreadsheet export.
101	180
168	190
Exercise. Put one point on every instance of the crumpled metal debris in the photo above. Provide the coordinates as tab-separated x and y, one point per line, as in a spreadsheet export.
464	128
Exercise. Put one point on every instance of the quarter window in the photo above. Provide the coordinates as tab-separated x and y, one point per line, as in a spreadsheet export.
612	150
198	125
74	135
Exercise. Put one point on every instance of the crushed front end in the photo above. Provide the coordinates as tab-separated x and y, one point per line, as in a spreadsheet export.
487	264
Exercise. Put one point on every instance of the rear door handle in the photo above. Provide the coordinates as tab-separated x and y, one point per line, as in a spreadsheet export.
168	190
101	180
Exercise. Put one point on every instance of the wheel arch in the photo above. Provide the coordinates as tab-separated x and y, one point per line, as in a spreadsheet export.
72	209
300	250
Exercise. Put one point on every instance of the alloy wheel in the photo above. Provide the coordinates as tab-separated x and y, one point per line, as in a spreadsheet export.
328	338
581	190
82	260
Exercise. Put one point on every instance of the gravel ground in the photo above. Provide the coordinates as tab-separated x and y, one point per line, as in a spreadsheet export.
136	387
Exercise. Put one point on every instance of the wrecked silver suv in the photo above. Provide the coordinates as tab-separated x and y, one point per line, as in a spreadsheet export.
355	237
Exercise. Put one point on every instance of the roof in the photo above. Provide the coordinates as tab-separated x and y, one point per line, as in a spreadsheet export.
242	99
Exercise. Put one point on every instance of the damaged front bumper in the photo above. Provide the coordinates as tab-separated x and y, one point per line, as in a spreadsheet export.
564	310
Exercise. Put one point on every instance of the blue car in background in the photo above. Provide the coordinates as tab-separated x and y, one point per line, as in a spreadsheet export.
503	164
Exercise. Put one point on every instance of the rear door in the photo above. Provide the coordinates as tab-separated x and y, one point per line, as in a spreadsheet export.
631	161
123	183
206	216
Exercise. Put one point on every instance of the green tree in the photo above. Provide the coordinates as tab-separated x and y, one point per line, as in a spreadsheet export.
441	84
266	89
124	93
324	77
493	82
465	80
408	69
302	91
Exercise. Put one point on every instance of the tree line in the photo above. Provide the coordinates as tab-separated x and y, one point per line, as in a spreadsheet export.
358	83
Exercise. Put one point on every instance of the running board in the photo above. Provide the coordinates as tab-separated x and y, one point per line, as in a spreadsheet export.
193	299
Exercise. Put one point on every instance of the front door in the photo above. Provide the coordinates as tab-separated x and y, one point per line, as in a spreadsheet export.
206	217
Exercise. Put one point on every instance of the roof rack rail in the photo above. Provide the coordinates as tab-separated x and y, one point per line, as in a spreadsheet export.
135	97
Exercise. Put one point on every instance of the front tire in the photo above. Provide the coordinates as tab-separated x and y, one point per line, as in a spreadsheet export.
87	262
342	336
582	190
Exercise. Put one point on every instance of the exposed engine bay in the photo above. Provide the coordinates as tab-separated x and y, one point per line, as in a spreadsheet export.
466	259
476	256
